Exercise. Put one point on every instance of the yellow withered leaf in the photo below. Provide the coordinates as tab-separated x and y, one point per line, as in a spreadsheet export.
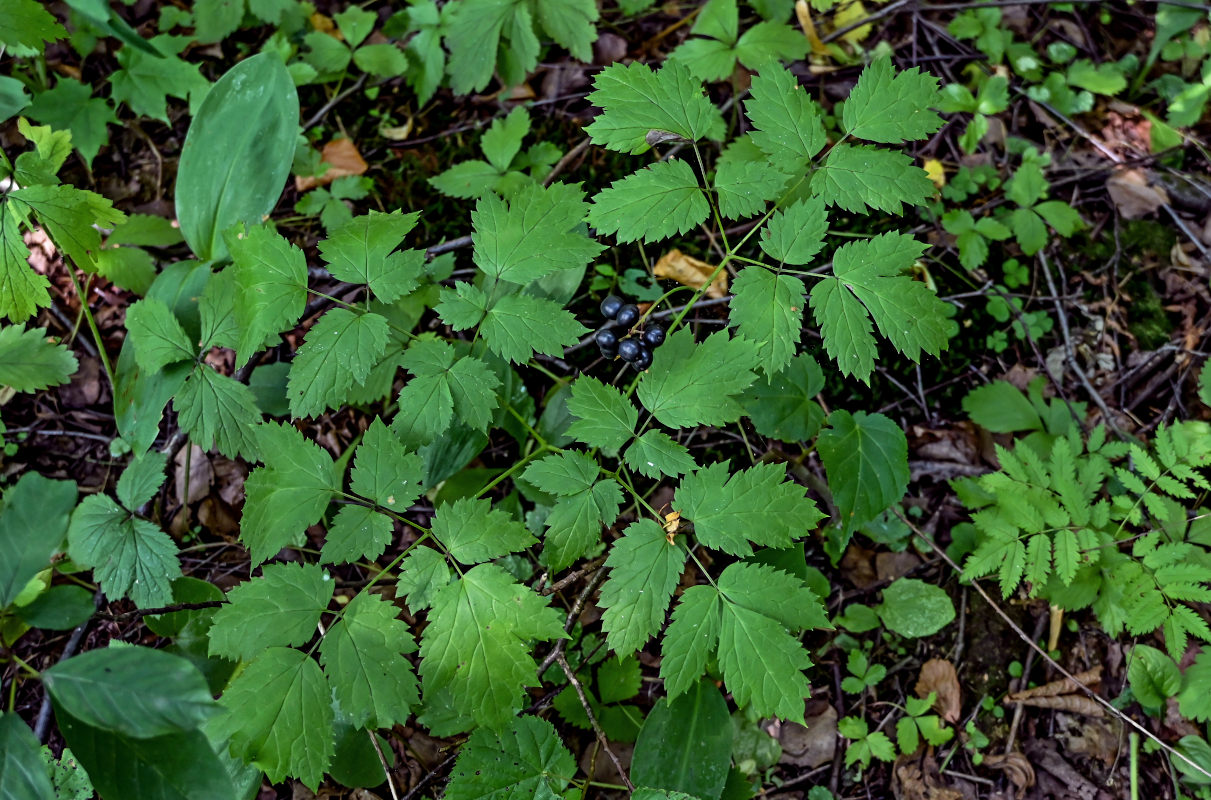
692	272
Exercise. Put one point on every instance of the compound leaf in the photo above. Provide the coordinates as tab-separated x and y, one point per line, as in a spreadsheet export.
644	567
282	607
473	532
857	176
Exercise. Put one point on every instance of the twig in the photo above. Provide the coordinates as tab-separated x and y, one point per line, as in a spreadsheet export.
383	760
139	613
570	622
331	104
588	710
1057	666
1070	352
429	776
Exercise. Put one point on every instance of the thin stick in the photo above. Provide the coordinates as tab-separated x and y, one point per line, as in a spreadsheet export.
382	759
588	710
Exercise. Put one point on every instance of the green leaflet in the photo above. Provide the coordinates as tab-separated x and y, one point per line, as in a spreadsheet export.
537	232
384	471
30	362
652	204
22	770
514	326
868	284
603	417
692	384
730	510
866	458
69	215
158	338
655	453
286	495
855	177
890	107
282	607
129	556
767	309
271	275
473	532
339	352
443	386
363	656
788	123
218	411
794	235
28	24
22	291
476	643
363	250
635	100
279	716
33	524
781	406
644	570
526	760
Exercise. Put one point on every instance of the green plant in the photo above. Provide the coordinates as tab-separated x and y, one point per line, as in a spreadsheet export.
505	171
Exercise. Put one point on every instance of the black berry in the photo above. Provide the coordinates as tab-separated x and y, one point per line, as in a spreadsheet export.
610	306
643	360
608	352
629	350
653	336
606	337
628	315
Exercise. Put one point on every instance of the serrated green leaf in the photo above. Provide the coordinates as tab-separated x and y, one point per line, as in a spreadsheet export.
338	354
571	24
421	574
563	474
756	505
473	531
356	532
69	215
157	336
636	99
744	186
280	716
604	418
476	26
129	557
70	106
767	309
22	291
383	59
363	656
218	411
502	141
526	759
145	81
892	107
690	639
794	235
868	283
271	275
33	523
141	478
467	179
443	387
537	232
770	41
855	177
788	124
707	59
692	384
30	362
644	569
651	204
476	645
762	664
781	406
282	607
384	471
575	522
363	250
28	24
515	326
286	495
866	458
655	453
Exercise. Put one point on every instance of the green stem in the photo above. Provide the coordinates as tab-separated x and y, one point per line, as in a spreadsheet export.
92	326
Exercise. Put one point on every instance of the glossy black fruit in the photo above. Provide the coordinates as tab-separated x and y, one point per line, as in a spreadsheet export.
608	352
606	337
628	315
643	360
610	306
629	350
653	335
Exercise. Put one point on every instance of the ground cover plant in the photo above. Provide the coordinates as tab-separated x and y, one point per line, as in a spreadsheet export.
545	398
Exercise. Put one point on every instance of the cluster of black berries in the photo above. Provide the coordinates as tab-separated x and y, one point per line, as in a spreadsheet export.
617	339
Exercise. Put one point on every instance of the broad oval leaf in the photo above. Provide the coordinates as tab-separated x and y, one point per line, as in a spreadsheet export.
686	745
237	153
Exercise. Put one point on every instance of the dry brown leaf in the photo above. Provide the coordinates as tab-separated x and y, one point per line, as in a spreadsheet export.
919	779
691	272
201	474
1072	703
812	744
1017	768
342	158
889	566
1133	193
1062	686
939	676
324	24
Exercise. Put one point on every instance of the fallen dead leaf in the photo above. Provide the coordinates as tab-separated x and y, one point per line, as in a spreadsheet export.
343	159
939	676
200	472
691	272
889	566
1060	687
804	15
1016	767
935	171
919	779
1134	195
324	24
1092	738
812	744
857	566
